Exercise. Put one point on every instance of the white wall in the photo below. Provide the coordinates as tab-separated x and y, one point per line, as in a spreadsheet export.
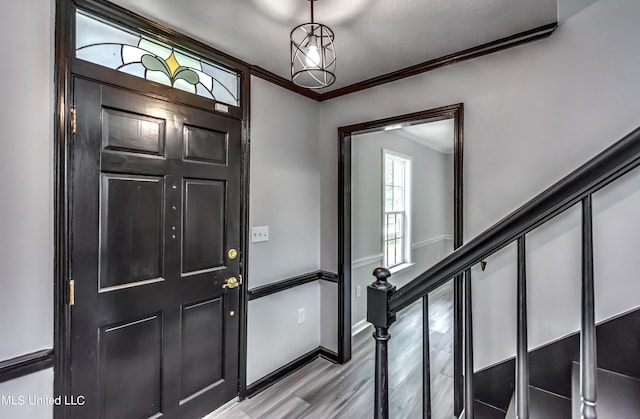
329	315
284	195
532	114
284	183
432	204
431	210
26	209
27	397
275	337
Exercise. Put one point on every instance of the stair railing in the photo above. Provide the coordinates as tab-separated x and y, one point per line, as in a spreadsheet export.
384	302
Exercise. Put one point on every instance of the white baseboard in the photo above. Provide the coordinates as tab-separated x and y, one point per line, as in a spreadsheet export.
359	327
220	412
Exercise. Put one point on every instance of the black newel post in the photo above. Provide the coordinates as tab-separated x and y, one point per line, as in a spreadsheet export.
378	315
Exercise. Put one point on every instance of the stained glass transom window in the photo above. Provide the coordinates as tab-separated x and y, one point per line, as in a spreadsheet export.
133	53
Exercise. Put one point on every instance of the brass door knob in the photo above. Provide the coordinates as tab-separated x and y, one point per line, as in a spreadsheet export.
231	283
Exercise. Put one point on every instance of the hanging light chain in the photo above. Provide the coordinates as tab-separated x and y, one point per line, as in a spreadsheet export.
312	1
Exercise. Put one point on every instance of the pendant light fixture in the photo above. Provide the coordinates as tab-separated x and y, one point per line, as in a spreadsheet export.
313	56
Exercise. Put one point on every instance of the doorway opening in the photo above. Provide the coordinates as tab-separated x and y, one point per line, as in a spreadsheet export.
401	208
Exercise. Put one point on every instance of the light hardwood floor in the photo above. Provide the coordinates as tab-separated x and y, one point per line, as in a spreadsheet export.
324	390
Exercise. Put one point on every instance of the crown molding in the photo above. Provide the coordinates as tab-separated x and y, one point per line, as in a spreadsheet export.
501	44
282	82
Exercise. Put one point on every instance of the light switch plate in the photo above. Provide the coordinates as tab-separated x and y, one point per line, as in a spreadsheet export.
259	234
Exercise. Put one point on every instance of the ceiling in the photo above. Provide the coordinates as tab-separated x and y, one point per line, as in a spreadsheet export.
372	37
437	135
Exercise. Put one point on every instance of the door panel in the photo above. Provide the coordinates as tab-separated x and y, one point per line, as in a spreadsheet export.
205	145
155	208
125	131
201	341
133	350
203	215
130	229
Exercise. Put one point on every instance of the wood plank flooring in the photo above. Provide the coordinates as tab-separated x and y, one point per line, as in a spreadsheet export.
323	390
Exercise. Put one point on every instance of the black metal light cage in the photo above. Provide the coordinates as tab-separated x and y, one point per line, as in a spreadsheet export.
313	55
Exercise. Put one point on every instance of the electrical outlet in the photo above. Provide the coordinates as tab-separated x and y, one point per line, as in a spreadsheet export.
259	234
301	315
358	291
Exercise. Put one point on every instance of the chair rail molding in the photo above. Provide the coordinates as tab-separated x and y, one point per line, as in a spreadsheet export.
432	240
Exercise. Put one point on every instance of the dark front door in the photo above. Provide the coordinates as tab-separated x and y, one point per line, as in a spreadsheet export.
155	213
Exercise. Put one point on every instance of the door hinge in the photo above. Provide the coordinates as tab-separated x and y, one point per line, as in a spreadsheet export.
72	292
73	121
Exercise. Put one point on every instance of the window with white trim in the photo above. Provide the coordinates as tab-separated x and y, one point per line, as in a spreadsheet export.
396	218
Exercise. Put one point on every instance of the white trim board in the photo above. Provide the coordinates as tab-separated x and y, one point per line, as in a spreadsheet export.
370	259
432	241
359	327
365	261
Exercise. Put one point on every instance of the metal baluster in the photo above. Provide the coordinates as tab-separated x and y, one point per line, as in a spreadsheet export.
468	348
522	354
426	371
378	314
381	407
588	363
458	345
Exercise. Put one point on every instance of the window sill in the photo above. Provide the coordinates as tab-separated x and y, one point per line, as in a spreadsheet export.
400	268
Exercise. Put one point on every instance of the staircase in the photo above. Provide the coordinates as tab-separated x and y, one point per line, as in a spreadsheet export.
595	392
618	398
618	395
555	376
542	405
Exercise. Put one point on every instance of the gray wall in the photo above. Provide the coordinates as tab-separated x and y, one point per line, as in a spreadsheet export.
431	212
532	114
26	209
329	315
285	195
26	241
25	396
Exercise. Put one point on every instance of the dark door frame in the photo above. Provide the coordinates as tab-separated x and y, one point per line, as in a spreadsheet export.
66	66
344	204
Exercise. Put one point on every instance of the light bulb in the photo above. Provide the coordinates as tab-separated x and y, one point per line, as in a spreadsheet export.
313	55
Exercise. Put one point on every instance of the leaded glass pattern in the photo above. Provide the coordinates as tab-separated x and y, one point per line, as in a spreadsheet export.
121	49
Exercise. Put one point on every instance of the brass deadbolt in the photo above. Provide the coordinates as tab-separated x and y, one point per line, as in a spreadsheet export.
232	253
